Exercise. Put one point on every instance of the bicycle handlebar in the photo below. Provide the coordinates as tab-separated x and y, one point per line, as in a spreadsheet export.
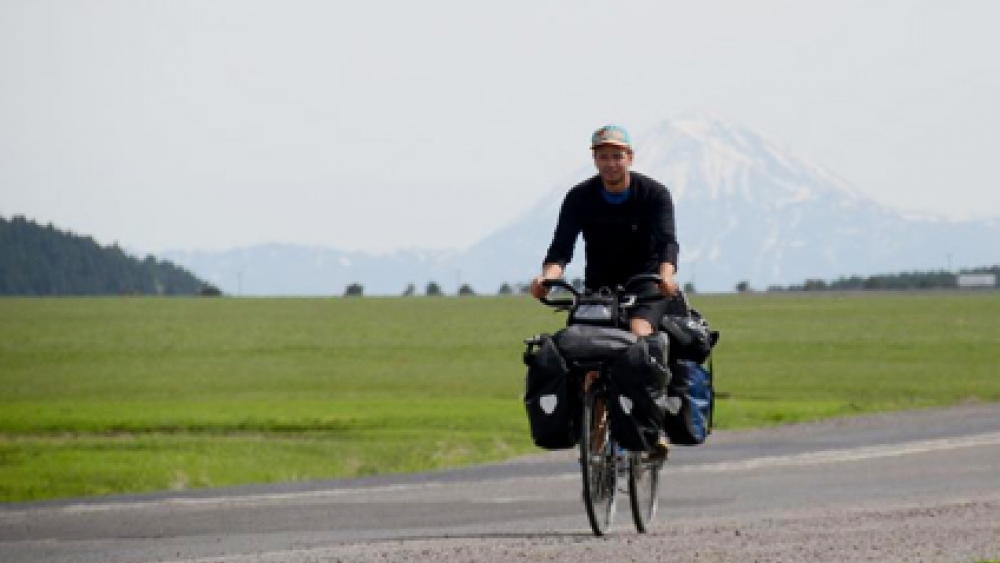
550	284
622	292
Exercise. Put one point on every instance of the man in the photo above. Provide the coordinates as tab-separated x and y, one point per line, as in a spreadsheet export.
627	221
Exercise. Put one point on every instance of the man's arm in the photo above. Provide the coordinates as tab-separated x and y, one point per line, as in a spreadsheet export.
665	236
561	250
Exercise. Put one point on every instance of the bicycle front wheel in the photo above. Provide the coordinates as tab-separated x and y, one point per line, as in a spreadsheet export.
597	463
643	485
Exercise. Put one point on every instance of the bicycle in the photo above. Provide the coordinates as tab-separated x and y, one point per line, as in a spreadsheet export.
602	462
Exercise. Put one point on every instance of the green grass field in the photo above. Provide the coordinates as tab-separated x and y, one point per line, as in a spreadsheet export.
116	395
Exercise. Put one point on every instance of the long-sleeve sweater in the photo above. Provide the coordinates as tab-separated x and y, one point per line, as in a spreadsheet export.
621	240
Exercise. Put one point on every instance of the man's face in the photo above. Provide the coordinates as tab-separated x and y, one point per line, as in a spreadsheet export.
613	163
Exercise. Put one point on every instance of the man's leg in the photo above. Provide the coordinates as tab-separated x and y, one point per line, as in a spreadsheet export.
640	326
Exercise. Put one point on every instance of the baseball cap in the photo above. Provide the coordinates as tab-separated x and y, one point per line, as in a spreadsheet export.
611	135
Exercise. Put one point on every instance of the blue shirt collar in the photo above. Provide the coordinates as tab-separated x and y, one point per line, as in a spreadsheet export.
617	198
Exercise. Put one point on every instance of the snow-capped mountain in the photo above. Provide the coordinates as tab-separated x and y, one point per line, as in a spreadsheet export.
747	209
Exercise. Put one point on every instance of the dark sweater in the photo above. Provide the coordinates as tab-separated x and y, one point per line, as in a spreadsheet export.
620	240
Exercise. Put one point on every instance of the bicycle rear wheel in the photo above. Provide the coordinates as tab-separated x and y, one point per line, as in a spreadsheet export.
643	486
597	464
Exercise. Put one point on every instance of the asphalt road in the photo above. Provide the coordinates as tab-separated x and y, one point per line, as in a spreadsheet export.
870	488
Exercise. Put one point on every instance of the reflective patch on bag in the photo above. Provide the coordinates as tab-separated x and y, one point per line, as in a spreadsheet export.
593	312
548	403
626	404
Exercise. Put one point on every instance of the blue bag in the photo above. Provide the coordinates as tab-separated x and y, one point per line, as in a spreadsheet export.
692	384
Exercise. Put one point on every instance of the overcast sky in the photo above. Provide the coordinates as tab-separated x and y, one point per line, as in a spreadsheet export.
385	124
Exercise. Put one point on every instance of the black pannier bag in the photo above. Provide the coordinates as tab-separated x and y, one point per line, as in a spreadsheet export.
691	338
638	394
586	343
552	404
692	383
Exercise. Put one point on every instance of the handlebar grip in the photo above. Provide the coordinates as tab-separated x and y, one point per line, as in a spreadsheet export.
552	283
558	282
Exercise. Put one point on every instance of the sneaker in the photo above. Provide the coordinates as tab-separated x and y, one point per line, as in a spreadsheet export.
660	450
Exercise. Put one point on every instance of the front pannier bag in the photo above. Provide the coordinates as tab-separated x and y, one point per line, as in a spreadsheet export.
553	406
638	381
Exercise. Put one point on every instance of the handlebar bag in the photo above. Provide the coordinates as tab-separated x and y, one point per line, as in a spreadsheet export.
598	310
587	343
552	404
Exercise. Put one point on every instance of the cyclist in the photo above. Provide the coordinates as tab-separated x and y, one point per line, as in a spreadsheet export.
627	222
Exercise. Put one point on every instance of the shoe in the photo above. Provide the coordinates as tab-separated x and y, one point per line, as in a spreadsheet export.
660	450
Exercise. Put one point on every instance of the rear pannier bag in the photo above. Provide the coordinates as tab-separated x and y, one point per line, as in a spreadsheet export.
692	383
637	397
552	404
585	343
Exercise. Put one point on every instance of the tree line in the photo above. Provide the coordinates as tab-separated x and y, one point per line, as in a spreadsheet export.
38	260
433	289
938	279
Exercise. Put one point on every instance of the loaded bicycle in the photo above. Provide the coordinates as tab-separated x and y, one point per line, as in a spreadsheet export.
594	411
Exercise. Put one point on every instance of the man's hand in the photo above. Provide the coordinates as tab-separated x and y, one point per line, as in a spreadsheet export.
668	287
538	291
549	272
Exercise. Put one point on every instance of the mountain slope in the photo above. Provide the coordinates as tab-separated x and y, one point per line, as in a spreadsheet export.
748	209
37	260
283	269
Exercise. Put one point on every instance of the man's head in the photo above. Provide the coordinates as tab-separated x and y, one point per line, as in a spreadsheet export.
612	149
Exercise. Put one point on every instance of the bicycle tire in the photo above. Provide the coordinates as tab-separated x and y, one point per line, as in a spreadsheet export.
643	488
600	475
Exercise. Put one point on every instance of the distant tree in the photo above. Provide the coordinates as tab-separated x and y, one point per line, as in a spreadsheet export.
524	288
876	282
689	288
210	291
743	287
466	290
354	290
505	289
814	285
410	290
433	290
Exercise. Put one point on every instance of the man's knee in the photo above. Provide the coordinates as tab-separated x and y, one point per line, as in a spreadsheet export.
640	327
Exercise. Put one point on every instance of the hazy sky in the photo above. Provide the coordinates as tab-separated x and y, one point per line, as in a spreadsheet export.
385	124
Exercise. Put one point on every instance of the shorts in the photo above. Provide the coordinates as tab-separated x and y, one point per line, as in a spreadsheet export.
652	311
